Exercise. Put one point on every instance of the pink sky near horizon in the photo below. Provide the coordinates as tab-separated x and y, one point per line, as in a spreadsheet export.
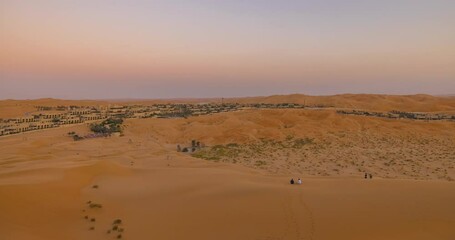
155	49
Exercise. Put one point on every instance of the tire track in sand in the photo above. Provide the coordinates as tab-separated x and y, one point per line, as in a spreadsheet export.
299	218
309	223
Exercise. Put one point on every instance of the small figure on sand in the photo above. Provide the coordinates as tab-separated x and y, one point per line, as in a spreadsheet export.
299	181
292	180
366	175
371	176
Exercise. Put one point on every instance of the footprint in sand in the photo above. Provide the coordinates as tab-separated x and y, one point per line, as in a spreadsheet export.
292	228
310	224
299	218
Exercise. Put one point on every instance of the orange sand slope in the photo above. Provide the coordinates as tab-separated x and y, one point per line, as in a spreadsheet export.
210	202
341	145
411	103
52	187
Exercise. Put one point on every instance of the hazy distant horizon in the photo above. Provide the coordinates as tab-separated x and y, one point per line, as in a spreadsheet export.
208	49
17	91
221	97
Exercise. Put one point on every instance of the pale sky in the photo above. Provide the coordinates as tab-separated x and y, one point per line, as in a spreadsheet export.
171	49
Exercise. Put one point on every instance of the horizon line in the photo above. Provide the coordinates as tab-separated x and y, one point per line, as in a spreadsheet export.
221	97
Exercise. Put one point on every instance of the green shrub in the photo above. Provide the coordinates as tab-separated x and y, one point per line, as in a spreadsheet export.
95	205
77	137
260	163
232	145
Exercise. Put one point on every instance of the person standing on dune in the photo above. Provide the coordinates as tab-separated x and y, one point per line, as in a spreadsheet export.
299	181
292	180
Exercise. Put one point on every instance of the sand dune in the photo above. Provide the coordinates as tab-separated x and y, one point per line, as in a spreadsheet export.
19	108
183	198
374	102
411	103
340	145
51	187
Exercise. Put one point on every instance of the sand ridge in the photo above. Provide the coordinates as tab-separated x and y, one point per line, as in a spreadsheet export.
315	143
51	187
374	102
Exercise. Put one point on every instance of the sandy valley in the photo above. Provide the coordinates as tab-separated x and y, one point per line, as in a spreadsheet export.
138	186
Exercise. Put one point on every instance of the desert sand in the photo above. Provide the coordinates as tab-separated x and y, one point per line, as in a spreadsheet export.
52	187
411	103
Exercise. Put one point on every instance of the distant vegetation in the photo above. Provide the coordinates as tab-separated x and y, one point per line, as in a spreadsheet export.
108	126
103	129
75	136
232	152
400	114
195	146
